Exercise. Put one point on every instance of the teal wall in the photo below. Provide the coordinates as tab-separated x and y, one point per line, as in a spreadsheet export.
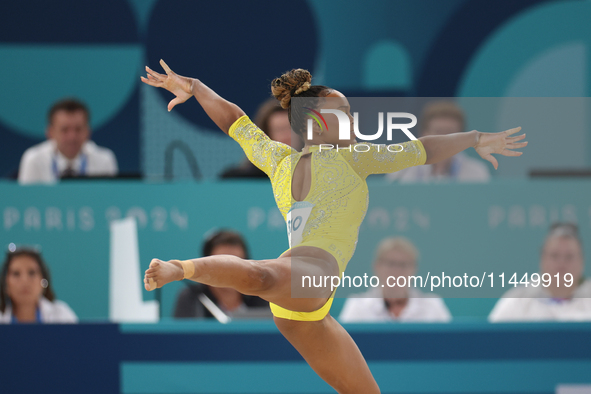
457	229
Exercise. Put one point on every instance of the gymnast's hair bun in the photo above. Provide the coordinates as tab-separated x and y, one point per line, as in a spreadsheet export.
290	84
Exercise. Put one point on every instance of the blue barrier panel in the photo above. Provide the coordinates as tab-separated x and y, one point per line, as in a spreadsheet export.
253	357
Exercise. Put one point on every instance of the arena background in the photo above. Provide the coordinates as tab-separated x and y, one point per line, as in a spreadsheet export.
428	48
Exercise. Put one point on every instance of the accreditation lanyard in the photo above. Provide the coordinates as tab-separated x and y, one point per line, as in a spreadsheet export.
557	300
454	168
14	320
83	163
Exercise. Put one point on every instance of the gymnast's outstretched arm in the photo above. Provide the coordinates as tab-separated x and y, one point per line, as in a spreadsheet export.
221	111
441	147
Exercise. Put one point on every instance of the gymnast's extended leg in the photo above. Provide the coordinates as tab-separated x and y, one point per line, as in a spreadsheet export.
268	279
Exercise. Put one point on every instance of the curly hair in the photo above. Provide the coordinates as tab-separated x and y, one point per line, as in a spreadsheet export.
296	83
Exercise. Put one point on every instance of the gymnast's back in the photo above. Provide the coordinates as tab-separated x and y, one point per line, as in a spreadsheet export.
330	214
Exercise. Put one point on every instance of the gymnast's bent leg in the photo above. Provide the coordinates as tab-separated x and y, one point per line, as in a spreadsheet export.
331	352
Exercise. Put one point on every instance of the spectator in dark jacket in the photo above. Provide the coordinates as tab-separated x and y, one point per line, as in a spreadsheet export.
189	301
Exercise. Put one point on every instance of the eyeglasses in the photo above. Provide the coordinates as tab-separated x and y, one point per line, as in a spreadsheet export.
396	264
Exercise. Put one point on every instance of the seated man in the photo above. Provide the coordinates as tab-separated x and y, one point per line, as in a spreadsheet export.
562	254
229	301
441	118
395	257
68	152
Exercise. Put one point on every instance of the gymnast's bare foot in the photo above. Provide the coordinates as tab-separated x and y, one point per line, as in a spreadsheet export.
161	273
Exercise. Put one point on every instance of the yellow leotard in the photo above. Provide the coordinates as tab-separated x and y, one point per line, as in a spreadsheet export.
338	190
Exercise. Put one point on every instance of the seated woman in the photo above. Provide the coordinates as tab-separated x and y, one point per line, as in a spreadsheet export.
26	295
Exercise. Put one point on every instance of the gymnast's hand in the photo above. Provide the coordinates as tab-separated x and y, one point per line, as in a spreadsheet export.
499	143
178	85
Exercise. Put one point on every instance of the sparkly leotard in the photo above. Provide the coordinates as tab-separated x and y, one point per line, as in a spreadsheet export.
338	195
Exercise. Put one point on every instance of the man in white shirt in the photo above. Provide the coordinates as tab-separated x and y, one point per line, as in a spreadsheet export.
68	152
562	254
441	118
396	257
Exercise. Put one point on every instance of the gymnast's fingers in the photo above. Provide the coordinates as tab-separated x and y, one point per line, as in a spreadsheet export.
174	102
507	152
512	131
152	78
155	74
516	138
492	159
516	145
150	82
165	67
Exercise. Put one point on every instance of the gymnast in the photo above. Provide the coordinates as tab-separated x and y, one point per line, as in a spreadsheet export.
327	192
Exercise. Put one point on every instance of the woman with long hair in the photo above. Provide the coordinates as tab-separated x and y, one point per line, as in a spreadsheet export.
26	293
327	190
